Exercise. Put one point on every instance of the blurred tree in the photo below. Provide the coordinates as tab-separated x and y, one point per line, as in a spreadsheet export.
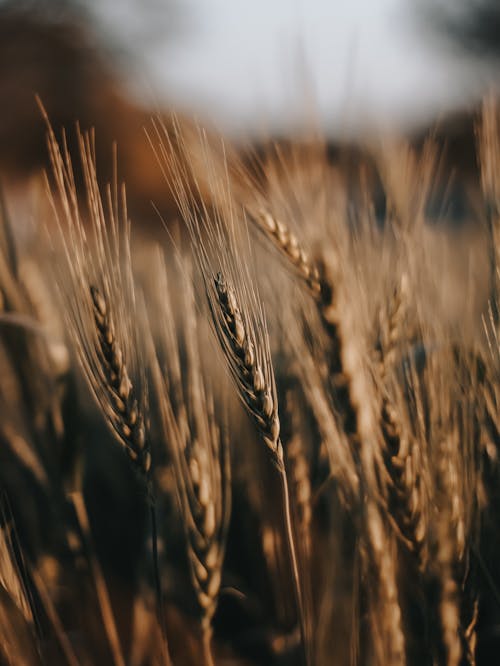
49	48
471	25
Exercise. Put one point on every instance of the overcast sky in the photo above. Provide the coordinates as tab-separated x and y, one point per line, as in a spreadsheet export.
268	64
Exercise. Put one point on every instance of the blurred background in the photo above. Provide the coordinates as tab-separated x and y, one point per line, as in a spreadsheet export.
260	70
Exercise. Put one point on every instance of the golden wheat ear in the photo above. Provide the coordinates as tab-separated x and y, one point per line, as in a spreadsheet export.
196	439
322	278
287	243
240	327
400	451
126	418
98	294
237	315
94	272
352	396
248	358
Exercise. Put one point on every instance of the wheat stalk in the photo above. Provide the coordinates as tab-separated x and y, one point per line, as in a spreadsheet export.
199	448
239	325
350	394
251	370
98	296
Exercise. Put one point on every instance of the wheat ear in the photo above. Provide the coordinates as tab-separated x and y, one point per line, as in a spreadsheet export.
446	558
126	418
349	390
298	468
99	301
288	244
199	447
354	397
404	502
321	280
400	450
239	325
98	293
254	378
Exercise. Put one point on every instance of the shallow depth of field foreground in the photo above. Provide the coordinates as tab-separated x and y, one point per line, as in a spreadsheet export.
266	431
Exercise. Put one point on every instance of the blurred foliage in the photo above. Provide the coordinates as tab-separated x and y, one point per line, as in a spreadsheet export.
473	26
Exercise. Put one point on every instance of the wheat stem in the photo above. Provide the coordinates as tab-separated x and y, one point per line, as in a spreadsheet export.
100	583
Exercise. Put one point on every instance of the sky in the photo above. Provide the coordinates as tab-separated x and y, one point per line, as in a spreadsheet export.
349	63
271	65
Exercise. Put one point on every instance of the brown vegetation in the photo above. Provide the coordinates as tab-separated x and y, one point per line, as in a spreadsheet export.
325	489
271	438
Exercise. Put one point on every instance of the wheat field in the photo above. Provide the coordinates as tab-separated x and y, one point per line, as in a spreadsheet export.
267	436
